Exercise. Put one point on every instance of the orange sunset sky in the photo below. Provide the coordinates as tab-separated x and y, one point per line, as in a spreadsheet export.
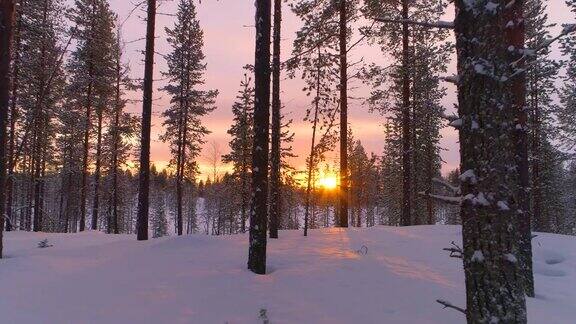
229	45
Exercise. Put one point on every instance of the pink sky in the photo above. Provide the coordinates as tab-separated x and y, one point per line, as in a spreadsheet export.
229	44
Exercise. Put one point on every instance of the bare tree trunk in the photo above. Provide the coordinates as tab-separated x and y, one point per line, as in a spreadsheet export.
97	171
38	205
113	226
144	178
429	177
275	181
343	115
406	144
488	94
86	151
6	31
259	205
88	124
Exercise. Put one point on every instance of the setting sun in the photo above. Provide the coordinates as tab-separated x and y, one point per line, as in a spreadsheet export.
328	182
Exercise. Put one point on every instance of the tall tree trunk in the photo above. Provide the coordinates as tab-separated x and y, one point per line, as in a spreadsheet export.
180	179
487	43
540	223
312	150
515	38
38	204
116	146
61	196
343	115
13	118
244	190
406	217
275	181
260	150
6	31
87	125
179	156
144	178
86	151
429	177
97	170
39	131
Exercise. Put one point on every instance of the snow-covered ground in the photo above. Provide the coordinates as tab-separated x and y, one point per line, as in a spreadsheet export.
97	278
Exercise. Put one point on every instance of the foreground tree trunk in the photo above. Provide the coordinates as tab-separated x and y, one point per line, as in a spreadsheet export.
490	95
6	28
259	205
275	182
144	177
343	219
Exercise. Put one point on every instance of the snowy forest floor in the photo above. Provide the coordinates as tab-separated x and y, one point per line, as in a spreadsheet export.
98	278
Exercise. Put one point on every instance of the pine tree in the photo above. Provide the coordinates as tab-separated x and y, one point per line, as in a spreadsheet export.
118	141
315	55
567	109
69	144
41	84
360	168
410	94
567	123
184	130
159	218
328	24
242	132
14	117
540	78
92	84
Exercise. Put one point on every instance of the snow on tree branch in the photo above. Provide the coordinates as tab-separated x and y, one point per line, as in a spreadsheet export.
436	24
451	79
454	189
567	29
445	199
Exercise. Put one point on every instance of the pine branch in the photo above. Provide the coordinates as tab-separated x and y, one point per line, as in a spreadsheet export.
43	91
454	189
568	29
445	199
447	304
451	79
438	24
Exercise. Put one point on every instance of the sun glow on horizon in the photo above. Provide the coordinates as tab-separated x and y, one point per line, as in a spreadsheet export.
328	182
